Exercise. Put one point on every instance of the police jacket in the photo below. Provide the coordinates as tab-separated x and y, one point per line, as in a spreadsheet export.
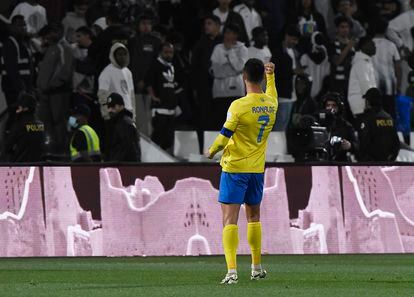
16	66
378	137
25	142
123	139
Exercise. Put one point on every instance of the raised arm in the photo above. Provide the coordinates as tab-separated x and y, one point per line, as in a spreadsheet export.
270	77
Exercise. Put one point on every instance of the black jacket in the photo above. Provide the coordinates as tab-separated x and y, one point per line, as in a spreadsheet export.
202	80
284	71
16	66
123	139
25	143
378	137
162	78
144	50
343	129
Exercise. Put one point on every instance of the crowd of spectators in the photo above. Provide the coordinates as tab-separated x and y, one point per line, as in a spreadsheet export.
86	74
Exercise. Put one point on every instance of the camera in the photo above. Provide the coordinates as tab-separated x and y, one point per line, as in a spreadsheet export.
308	141
335	142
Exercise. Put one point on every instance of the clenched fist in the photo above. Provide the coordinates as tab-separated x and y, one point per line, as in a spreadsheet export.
269	68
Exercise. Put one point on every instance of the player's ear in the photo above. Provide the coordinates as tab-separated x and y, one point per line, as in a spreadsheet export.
244	76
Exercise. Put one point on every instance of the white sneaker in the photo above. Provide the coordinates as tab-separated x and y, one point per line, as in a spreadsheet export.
231	278
258	274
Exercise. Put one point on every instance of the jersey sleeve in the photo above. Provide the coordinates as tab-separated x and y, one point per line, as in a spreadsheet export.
271	86
226	133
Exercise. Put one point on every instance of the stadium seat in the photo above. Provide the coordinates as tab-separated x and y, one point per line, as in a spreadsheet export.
412	140
152	153
185	144
276	144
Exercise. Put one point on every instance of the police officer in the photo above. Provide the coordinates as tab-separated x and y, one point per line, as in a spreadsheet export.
342	141
25	143
123	136
84	144
378	135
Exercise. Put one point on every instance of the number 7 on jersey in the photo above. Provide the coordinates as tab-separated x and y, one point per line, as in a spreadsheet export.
264	120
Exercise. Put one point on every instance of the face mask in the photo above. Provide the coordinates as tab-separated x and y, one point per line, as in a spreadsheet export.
112	114
72	123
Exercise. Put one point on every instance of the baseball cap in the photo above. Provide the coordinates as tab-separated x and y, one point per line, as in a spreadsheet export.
372	93
114	99
373	96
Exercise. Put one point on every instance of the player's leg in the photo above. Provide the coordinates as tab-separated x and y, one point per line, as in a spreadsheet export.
230	236
232	190
254	227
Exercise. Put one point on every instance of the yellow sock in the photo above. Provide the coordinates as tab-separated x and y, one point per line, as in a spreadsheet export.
254	238
230	244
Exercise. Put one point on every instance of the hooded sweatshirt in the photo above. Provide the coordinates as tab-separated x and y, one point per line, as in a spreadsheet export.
71	23
115	79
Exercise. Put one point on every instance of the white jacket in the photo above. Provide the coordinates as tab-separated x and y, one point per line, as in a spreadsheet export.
227	68
114	79
361	78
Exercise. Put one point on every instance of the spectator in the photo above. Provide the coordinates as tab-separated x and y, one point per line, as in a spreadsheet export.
54	83
117	78
259	48
347	8
362	77
378	136
309	20
84	144
201	78
389	9
98	9
287	64
227	62
387	66
181	63
161	86
114	33
129	10
341	53
400	30
227	17
342	134
25	143
17	66
305	104
123	140
84	79
145	47
315	61
250	16
75	19
34	14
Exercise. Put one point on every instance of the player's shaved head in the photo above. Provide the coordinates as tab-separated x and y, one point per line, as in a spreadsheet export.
254	71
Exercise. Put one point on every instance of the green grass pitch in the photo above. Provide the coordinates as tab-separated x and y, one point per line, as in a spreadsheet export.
322	275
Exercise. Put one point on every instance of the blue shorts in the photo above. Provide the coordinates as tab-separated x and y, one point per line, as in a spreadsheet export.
239	188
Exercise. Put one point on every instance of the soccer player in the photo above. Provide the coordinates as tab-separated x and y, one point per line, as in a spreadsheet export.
243	138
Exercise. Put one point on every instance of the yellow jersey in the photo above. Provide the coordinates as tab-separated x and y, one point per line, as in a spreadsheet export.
244	135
